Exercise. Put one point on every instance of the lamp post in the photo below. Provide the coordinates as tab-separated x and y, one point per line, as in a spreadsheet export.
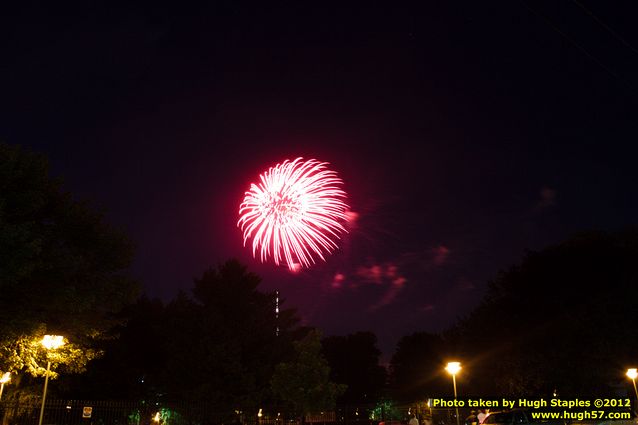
6	377
453	368
633	374
50	342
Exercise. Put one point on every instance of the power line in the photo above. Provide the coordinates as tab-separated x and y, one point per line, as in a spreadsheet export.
607	27
578	46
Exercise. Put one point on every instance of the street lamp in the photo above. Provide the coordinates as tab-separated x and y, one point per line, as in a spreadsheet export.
50	342
633	374
6	377
453	368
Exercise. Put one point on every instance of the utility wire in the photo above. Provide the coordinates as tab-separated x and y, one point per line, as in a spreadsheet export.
578	46
607	27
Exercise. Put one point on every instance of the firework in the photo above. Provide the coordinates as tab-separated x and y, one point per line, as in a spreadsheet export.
295	213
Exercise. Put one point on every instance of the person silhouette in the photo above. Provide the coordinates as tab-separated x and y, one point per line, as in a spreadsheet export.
472	419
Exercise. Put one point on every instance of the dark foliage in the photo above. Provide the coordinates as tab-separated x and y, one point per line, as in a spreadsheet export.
417	368
220	347
354	361
564	320
63	268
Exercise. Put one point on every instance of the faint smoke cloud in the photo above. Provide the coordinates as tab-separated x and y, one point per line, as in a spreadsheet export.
373	273
441	254
547	199
389	295
352	217
399	281
391	271
386	275
466	285
395	282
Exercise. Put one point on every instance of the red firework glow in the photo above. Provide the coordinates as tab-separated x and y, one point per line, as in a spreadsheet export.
295	213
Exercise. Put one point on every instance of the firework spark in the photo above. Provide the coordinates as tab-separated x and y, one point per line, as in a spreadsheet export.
295	214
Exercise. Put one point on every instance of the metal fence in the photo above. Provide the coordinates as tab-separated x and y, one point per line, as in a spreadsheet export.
86	412
80	412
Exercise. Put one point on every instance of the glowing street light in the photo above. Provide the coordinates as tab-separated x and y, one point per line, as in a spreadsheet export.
633	374
453	368
6	377
50	342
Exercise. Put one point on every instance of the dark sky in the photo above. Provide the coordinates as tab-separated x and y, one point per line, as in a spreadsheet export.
465	132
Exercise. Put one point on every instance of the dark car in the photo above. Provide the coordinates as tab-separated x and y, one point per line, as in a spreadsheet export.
516	417
510	417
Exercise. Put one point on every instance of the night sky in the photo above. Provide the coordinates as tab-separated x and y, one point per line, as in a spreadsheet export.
465	133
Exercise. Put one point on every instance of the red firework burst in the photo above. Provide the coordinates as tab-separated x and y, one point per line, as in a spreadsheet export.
295	213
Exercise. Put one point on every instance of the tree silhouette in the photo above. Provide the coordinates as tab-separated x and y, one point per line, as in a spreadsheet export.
218	348
416	367
63	268
304	382
354	361
564	320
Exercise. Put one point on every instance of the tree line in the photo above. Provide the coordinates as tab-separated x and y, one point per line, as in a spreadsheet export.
562	321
